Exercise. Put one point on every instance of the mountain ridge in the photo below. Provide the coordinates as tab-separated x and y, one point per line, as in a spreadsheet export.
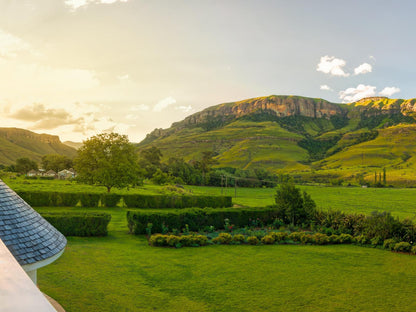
17	143
290	133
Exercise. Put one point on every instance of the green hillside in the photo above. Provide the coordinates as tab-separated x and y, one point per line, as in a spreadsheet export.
305	136
16	143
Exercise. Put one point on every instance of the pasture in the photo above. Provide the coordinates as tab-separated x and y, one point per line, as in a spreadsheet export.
121	272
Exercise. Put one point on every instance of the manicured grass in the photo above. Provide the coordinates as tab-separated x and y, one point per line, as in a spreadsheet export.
122	273
400	202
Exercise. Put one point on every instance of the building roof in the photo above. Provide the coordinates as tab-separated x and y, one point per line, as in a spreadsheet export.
28	236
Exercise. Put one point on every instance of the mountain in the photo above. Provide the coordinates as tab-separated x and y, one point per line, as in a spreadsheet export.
75	145
311	138
16	143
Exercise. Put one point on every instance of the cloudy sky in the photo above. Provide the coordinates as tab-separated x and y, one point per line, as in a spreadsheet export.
76	68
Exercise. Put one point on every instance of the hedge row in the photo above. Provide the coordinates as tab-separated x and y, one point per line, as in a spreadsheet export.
196	218
57	199
79	224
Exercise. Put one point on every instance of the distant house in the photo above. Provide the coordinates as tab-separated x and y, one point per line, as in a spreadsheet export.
66	174
32	173
50	173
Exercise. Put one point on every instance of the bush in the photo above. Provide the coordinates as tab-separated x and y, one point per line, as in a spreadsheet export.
223	238
362	240
377	241
320	239
196	218
413	250
172	240
53	199
252	240
158	240
346	239
295	236
389	244
79	224
279	236
268	240
239	238
334	239
402	247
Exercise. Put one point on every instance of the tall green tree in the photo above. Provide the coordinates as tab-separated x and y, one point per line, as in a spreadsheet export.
109	160
294	206
56	162
23	165
150	161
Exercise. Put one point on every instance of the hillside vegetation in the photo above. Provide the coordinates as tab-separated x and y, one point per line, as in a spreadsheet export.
311	138
17	143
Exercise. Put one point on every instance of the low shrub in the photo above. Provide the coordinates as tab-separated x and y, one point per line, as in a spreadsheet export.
320	239
158	240
79	224
413	250
223	238
295	236
306	238
402	247
377	241
362	240
334	239
389	243
268	240
172	240
238	238
252	240
196	218
346	239
279	236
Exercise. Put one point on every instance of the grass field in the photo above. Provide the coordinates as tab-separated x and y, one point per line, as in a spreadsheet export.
401	202
122	273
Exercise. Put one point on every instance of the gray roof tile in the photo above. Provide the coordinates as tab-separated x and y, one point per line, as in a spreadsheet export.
29	237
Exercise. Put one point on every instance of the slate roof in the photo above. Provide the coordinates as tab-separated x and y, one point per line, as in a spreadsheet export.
28	236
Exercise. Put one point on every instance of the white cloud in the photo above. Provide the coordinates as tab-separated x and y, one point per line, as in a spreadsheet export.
162	104
389	91
354	94
140	107
363	69
331	65
326	88
123	77
74	5
11	45
185	109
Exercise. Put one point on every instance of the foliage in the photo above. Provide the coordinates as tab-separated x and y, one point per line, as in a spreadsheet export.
252	240
79	224
293	206
223	238
402	247
56	162
109	160
24	165
196	218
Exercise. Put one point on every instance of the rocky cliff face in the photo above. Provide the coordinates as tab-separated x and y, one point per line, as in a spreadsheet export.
17	134
280	106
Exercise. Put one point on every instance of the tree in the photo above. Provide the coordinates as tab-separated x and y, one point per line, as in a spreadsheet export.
293	206
23	165
109	160
56	162
150	161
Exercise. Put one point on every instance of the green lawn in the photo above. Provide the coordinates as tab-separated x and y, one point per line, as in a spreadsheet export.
122	273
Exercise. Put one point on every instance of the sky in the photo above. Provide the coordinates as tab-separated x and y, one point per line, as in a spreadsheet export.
76	68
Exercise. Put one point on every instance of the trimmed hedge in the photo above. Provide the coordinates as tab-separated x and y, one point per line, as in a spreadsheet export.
197	218
79	224
57	199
